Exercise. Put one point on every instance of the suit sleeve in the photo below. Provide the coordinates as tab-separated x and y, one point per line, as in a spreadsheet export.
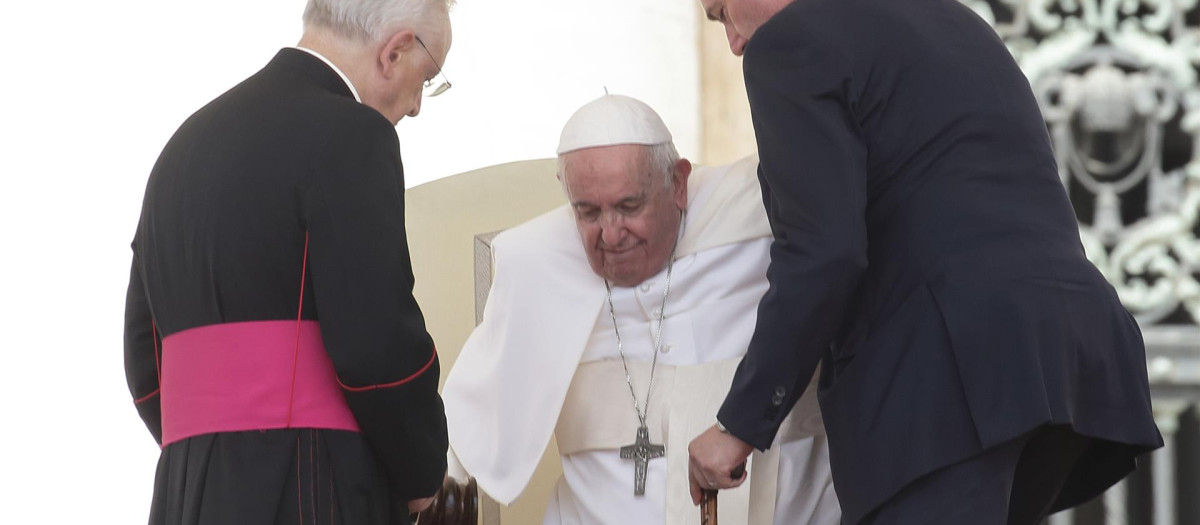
141	353
813	172
372	326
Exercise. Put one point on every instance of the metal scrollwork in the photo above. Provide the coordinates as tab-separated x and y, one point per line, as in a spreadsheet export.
1117	84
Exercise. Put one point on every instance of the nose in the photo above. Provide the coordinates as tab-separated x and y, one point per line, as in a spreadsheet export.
737	43
612	231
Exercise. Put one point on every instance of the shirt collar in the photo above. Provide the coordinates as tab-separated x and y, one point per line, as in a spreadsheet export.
335	70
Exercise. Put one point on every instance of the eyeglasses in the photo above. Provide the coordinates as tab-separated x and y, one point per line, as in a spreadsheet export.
431	89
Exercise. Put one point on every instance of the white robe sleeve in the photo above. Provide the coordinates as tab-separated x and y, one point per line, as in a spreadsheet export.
506	389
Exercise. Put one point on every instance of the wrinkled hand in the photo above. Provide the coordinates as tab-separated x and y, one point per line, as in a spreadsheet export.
419	505
713	455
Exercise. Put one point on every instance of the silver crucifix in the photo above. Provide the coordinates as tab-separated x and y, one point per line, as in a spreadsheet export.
641	452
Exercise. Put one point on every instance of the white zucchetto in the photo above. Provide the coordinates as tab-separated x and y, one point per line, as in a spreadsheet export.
611	120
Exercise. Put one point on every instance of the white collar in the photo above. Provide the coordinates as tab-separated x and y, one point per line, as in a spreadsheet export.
335	70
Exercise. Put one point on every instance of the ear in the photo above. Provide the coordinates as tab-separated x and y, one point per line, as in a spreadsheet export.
393	50
679	177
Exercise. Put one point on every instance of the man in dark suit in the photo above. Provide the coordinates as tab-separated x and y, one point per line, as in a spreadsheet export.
975	367
272	342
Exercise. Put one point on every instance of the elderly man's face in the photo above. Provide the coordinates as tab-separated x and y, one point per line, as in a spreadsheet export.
741	18
627	213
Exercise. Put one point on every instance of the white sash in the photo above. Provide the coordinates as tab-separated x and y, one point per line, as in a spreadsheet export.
684	403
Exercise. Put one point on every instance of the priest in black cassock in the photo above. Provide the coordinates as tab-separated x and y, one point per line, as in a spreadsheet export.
272	342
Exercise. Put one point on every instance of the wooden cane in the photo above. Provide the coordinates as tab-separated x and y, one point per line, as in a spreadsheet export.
455	504
708	498
708	507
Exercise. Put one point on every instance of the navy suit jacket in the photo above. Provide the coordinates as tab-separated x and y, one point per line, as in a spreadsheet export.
925	251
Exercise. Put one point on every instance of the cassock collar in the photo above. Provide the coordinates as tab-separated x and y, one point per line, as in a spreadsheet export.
335	70
316	67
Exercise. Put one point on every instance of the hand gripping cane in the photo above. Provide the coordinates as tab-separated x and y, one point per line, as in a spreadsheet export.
708	498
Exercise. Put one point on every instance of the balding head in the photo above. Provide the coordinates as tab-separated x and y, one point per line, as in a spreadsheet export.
372	21
387	48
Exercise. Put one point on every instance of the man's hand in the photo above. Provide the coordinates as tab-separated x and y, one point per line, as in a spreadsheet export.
419	505
713	455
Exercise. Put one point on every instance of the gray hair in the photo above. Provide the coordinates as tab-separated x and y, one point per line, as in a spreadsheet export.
372	20
660	159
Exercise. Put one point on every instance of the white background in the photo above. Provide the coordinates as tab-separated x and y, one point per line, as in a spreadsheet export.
90	91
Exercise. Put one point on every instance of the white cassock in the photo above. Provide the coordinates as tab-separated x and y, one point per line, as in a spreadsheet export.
544	361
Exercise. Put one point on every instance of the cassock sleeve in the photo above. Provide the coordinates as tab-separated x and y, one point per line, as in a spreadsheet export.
141	352
813	174
372	327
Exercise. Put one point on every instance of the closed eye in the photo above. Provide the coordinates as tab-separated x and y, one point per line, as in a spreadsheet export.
630	206
719	17
587	212
708	13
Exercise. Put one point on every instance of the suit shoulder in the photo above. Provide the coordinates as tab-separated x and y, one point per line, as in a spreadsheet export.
803	21
854	28
807	32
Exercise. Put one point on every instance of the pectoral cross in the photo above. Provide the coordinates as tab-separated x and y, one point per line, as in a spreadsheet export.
641	452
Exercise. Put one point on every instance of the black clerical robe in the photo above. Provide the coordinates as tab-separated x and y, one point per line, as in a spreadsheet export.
278	209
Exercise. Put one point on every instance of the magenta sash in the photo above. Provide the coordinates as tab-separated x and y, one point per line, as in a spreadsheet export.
254	375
